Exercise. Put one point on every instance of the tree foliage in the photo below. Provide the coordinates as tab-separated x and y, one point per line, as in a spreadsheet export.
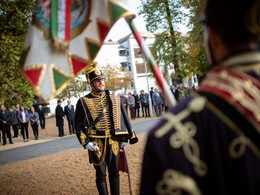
162	18
73	90
185	53
115	78
198	62
15	18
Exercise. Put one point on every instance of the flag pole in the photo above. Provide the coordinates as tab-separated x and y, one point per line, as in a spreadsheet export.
168	95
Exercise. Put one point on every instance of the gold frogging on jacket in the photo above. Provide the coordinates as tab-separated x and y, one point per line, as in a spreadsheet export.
103	127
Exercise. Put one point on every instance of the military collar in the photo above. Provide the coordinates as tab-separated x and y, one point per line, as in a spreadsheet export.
95	94
245	58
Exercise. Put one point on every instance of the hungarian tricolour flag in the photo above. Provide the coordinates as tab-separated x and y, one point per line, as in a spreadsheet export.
64	38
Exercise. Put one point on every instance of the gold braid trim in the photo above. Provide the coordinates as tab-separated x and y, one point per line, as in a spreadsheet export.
238	146
185	133
83	138
95	106
116	111
174	182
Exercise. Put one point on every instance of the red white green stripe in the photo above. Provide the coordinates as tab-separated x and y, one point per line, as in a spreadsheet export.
153	65
60	19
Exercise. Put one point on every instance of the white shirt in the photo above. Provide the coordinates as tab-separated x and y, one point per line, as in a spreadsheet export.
24	117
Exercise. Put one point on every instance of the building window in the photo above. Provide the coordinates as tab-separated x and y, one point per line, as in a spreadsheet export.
138	53
140	68
122	53
124	65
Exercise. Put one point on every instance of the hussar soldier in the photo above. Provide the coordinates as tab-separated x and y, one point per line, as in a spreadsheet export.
103	127
210	142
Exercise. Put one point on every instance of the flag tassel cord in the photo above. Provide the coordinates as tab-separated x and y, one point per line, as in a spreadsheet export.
171	102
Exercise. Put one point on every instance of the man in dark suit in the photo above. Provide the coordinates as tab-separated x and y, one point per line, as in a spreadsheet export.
69	112
60	119
4	117
174	90
137	104
157	102
151	94
13	121
41	117
144	98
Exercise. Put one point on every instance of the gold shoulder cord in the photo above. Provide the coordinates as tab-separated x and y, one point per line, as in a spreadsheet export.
185	133
173	182
104	153
241	140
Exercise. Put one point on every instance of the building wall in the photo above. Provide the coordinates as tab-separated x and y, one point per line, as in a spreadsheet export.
110	54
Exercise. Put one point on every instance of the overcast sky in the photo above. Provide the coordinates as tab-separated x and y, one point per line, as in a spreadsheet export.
121	28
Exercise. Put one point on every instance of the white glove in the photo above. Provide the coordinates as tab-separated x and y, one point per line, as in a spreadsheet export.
123	145
90	146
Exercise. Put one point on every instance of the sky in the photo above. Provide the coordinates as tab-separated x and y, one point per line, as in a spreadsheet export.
121	28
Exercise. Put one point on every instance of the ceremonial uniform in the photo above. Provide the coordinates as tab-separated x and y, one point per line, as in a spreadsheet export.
101	118
210	143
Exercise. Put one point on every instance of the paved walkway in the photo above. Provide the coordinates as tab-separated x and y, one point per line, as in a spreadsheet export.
48	134
46	147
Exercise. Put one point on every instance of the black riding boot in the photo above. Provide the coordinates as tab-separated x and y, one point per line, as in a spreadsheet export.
102	188
114	186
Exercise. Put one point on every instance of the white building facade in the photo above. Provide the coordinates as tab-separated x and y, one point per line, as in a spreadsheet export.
124	53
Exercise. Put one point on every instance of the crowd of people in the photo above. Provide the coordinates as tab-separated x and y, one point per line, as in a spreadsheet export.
136	101
19	118
60	116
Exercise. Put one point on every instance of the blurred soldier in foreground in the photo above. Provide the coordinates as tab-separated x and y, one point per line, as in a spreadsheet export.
103	127
210	142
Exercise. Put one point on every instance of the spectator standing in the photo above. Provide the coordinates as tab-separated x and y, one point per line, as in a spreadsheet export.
5	117
23	118
175	92
144	98
131	103
183	92
41	116
164	103
124	100
151	94
34	118
17	110
137	104
60	119
13	121
157	101
69	112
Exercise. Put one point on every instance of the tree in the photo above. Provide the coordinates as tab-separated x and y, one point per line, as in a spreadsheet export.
198	61
116	78
15	18
163	16
73	90
199	57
